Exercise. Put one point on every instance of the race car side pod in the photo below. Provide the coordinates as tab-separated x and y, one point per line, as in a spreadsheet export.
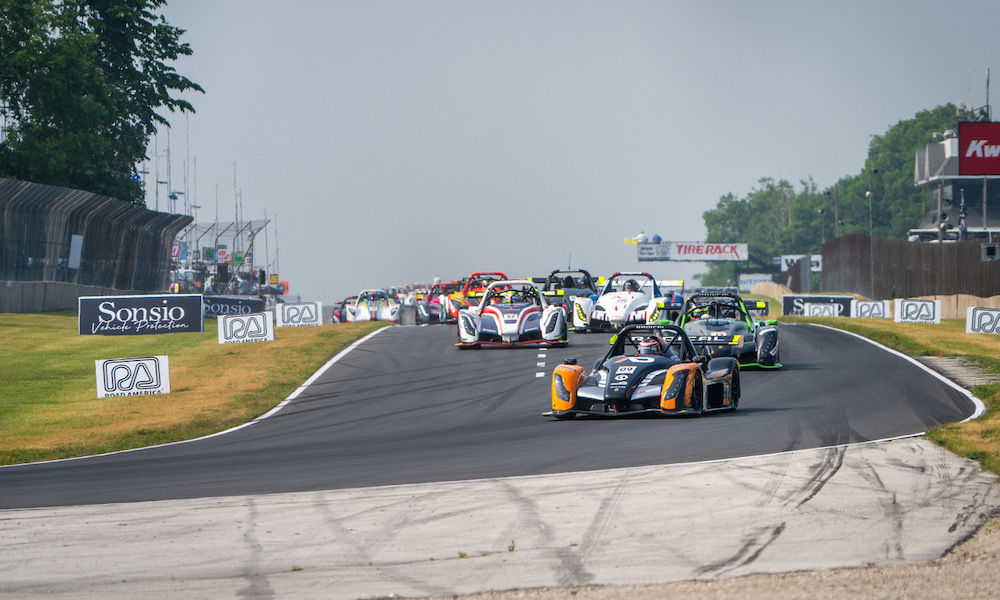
565	380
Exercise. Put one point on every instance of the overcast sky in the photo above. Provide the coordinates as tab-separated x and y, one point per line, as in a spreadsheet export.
396	141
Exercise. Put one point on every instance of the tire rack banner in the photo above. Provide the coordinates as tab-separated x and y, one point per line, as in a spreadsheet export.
240	329
691	251
792	304
299	314
140	315
979	148
217	306
132	376
917	311
982	320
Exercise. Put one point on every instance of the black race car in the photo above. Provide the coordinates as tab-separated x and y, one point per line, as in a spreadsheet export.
651	369
722	324
562	287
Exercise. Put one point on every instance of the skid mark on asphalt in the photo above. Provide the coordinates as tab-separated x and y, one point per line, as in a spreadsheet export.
753	545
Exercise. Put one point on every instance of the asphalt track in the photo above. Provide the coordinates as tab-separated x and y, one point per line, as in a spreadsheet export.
407	407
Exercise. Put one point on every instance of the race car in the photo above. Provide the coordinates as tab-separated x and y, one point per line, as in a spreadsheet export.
512	313
723	324
373	305
431	308
468	295
340	311
650	369
625	299
563	287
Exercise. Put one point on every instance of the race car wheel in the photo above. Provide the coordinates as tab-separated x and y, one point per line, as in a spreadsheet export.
734	391
698	401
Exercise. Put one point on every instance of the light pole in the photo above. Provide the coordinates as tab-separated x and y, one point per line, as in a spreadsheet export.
871	237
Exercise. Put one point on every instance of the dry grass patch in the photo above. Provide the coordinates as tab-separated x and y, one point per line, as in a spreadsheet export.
48	399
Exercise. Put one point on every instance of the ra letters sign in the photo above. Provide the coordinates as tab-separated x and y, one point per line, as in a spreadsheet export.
871	309
917	311
140	315
982	320
240	329
979	148
133	376
299	314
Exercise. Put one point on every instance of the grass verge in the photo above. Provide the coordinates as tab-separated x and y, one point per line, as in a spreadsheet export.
49	407
978	440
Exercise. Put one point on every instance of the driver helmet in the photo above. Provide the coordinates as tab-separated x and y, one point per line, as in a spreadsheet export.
631	285
650	347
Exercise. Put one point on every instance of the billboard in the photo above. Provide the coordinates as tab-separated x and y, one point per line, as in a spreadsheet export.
140	315
216	306
299	314
240	329
691	251
132	376
979	148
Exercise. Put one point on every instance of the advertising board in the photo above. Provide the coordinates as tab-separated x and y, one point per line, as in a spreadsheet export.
917	311
299	314
241	329
982	320
792	304
216	306
132	376
979	148
140	315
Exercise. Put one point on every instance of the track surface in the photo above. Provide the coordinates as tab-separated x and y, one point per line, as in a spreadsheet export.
407	407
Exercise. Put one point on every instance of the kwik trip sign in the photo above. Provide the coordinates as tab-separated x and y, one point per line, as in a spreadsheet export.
979	148
133	376
140	315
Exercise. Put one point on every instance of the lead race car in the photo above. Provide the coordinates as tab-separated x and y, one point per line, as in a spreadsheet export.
650	369
512	313
723	325
626	298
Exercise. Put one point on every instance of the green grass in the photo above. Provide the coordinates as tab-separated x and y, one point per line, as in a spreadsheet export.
48	387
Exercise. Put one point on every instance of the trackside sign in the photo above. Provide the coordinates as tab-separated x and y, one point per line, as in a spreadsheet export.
216	306
140	315
979	148
240	329
144	376
691	251
917	311
299	314
982	320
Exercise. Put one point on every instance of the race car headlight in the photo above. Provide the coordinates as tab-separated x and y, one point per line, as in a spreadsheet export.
674	391
467	325
580	313
559	387
551	325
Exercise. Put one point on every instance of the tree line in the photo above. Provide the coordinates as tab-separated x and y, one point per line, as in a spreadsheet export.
777	218
81	84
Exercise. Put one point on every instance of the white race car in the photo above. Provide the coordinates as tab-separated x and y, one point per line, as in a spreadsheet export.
625	299
373	305
511	313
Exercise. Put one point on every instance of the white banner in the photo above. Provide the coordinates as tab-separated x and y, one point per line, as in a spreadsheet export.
240	329
299	314
871	309
815	262
917	311
748	280
982	320
132	376
691	251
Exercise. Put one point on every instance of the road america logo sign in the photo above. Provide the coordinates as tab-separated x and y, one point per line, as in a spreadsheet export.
240	329
300	314
870	309
917	311
821	309
982	320
144	376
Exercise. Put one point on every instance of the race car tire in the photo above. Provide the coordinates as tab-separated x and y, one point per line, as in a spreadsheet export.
565	416
698	402
734	392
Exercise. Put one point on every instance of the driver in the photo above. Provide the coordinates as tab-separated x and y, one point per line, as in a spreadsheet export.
652	346
631	285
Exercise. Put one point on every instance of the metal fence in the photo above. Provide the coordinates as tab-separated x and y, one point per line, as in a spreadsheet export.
124	246
881	268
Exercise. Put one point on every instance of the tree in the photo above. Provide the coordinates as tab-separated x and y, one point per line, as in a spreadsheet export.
774	219
82	81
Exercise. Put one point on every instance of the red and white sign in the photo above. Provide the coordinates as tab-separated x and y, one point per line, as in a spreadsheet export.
702	251
979	148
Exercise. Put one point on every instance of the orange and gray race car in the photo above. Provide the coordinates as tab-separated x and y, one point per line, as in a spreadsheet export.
652	369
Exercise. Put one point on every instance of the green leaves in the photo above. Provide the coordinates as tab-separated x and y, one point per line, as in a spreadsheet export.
83	81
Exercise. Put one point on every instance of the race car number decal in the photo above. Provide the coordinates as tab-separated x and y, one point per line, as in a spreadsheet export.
510	317
626	370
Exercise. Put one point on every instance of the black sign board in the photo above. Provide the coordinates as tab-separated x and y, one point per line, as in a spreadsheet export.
140	315
218	306
794	305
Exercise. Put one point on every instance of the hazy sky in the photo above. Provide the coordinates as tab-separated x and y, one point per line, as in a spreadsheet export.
396	141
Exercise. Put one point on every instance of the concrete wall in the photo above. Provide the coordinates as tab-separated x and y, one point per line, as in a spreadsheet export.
42	296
